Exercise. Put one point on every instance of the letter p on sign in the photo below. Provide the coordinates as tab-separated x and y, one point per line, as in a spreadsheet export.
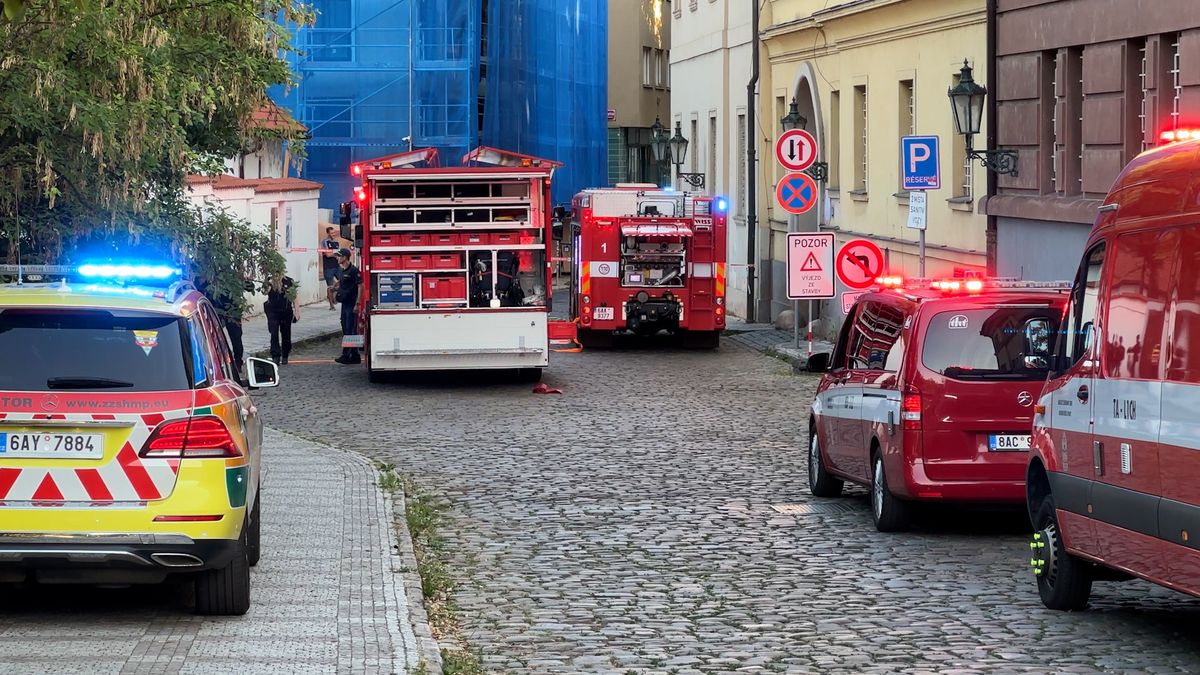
921	162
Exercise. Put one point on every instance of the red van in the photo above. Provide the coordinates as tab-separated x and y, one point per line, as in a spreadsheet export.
929	393
1114	475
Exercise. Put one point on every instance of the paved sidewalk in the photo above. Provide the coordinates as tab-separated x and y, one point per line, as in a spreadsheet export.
317	322
329	595
769	340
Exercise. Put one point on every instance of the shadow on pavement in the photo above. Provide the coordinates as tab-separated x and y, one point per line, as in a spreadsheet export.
83	600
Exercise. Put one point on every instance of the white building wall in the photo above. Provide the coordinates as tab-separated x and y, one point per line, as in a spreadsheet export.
710	67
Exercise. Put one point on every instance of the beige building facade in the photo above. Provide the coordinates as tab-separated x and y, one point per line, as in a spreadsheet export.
639	86
710	66
865	74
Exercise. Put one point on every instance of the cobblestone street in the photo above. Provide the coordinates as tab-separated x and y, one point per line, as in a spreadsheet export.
627	525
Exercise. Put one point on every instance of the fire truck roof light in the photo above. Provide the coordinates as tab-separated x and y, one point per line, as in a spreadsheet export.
356	170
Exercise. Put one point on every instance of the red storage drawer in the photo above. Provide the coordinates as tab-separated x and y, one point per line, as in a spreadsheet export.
385	261
435	288
378	240
409	239
443	240
504	238
446	261
413	261
474	239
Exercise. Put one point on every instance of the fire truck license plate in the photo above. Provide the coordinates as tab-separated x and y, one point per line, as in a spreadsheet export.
603	313
1009	442
51	446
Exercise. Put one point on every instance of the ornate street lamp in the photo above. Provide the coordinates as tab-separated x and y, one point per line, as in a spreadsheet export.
966	103
679	147
658	140
819	171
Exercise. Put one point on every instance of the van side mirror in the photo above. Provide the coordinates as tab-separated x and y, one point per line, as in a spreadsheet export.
819	363
1037	337
262	373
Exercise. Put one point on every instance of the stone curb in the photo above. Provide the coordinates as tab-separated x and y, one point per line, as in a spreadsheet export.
298	343
428	650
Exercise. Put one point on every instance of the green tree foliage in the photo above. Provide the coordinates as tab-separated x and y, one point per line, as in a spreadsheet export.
106	105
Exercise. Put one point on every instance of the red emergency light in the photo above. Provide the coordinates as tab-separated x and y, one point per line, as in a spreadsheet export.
360	194
968	285
356	169
1178	136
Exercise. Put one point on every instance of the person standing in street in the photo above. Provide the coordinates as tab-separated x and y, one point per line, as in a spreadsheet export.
281	313
347	295
329	265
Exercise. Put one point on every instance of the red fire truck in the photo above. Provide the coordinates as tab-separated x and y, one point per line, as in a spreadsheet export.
454	262
648	260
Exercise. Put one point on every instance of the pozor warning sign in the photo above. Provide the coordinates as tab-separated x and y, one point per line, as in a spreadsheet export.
810	265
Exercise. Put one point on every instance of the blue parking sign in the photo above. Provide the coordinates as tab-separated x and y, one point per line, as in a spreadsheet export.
920	165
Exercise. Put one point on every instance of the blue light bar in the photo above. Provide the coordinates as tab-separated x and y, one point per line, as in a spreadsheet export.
128	271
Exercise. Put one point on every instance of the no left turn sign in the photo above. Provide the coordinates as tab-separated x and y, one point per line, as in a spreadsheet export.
859	262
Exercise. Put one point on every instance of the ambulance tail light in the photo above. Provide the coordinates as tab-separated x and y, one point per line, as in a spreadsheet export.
195	437
910	410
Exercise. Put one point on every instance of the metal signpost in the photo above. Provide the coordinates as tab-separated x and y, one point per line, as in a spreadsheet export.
922	171
797	193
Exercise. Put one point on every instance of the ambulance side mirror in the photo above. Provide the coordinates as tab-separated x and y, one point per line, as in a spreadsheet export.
262	373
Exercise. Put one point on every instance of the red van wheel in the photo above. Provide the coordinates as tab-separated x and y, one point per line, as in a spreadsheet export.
820	483
1064	581
889	512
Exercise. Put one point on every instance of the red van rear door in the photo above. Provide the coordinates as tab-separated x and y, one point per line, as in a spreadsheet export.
978	380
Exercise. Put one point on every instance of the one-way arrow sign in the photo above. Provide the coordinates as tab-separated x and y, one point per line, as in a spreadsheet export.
796	150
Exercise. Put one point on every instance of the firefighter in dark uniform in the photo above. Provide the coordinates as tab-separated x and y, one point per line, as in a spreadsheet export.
347	295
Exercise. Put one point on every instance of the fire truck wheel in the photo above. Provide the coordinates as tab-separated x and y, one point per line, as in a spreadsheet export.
530	375
820	482
1064	581
702	339
595	338
889	512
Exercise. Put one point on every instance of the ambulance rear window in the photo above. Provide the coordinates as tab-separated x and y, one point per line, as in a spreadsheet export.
91	350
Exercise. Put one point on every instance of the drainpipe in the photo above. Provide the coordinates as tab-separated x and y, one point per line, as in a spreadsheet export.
991	234
752	169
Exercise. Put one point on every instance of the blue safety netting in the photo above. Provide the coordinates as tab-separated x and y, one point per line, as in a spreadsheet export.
547	86
531	75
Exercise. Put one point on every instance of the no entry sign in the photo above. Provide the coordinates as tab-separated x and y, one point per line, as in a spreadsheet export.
859	263
810	265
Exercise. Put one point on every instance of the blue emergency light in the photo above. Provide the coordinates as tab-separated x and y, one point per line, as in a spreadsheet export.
722	205
129	271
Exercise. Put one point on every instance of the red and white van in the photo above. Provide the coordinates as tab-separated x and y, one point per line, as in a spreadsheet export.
929	393
1114	475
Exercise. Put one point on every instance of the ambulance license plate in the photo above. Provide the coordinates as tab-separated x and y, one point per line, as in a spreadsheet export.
603	313
1008	442
53	445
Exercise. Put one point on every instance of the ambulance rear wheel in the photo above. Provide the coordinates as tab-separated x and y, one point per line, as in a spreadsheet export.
594	338
701	339
1064	581
226	591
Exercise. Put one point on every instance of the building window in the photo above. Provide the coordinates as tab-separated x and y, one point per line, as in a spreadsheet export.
695	143
1144	98
907	122
648	72
330	117
1068	122
331	39
664	79
712	153
861	157
835	139
741	177
1176	82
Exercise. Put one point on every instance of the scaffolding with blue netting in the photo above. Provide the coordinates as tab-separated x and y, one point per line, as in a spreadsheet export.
378	77
547	86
